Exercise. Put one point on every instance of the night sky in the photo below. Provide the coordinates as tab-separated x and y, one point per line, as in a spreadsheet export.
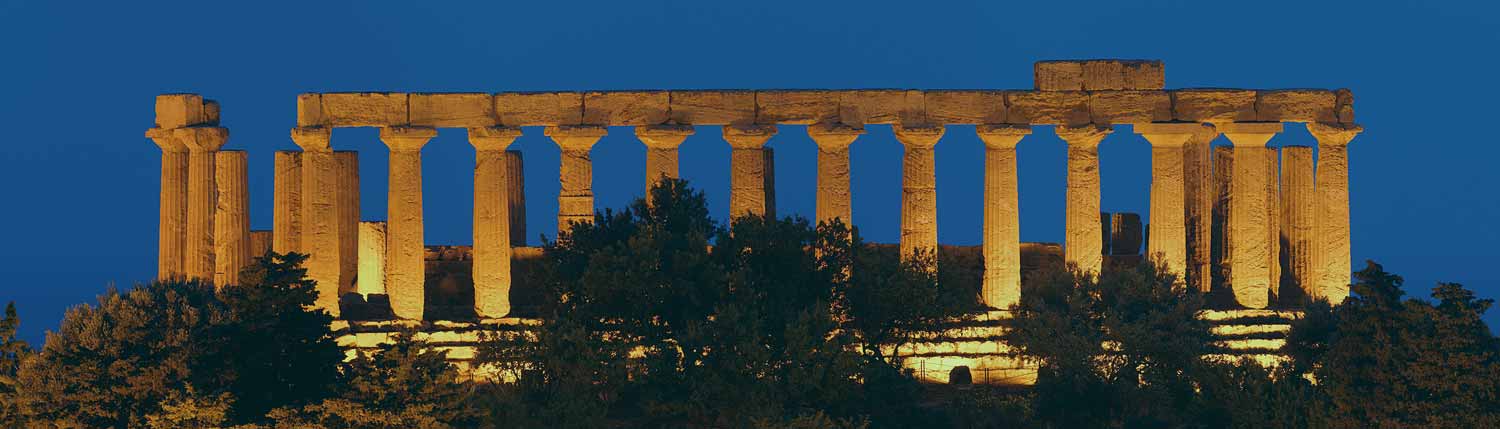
80	182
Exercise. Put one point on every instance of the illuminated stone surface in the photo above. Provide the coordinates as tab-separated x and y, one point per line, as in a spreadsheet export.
833	199
1083	237
202	143
371	259
405	279
1168	204
348	219
749	171
575	198
1002	216
231	217
1198	193
171	239
492	238
1333	262
260	243
287	203
661	151
1249	235
1299	215
320	216
919	191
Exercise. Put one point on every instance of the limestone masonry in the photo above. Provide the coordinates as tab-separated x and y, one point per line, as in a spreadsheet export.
1260	226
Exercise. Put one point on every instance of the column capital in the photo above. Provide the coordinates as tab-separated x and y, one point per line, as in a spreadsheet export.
165	140
748	136
576	137
919	137
1168	134
1205	133
1001	136
493	138
406	139
312	139
1333	134
1249	134
834	136
1084	135
663	136
202	139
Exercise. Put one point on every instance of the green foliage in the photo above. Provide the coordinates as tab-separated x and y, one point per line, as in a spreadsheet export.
254	346
12	351
1384	360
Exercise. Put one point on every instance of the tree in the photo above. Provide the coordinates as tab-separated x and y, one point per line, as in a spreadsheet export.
1384	360
12	351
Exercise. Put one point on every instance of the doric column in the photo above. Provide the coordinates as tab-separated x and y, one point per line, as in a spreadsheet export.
1333	261
320	216
371	259
231	217
661	151
919	190
747	169
287	203
515	193
492	238
348	212
1223	166
405	272
1299	219
1249	232
1168	203
575	198
1002	215
171	238
260	243
203	144
833	199
1084	239
1198	191
1271	159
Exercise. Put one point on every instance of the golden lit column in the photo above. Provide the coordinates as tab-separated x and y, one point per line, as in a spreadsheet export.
203	144
320	215
919	190
575	198
1299	214
492	238
1083	244
661	151
371	259
348	212
747	169
1168	204
1249	236
833	199
231	217
405	271
171	238
287	203
1198	191
1333	260
1002	215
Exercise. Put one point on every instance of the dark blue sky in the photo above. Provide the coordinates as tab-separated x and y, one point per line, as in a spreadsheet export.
80	182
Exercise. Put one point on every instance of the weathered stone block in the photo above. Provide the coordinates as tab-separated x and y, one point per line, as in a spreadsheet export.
365	109
310	110
1207	105
1144	75
1344	105
712	107
1103	75
178	110
1058	75
210	112
1055	107
625	107
453	110
517	109
1130	107
965	107
796	107
883	106
1296	105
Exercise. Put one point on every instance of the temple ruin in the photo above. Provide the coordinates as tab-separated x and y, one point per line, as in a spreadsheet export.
1264	226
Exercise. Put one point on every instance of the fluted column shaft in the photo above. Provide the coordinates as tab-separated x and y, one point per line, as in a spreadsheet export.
661	142
1168	204
1250	256
231	217
287	203
348	212
747	170
1084	239
203	143
1334	264
919	191
1002	215
833	199
171	239
1299	218
320	215
575	198
515	188
371	258
405	278
492	239
1198	191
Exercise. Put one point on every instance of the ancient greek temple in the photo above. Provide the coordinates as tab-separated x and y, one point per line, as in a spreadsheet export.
1251	219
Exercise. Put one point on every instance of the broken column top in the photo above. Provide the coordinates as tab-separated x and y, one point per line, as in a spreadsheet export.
184	110
1100	75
